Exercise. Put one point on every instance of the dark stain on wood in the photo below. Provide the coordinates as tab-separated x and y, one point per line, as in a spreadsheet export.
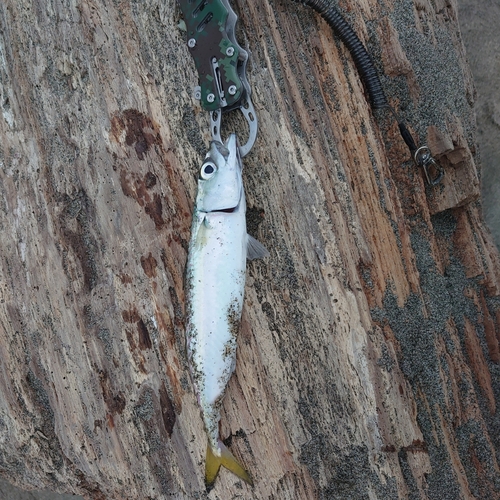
125	279
131	316
167	410
144	338
115	402
140	132
154	209
166	325
175	384
134	186
111	421
149	180
390	448
79	237
129	187
417	446
149	265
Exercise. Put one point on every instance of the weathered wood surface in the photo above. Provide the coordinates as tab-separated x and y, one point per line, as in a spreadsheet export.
369	352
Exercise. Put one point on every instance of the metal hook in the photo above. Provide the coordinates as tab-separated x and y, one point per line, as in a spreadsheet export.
423	158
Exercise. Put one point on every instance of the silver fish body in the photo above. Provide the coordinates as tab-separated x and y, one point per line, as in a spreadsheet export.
215	283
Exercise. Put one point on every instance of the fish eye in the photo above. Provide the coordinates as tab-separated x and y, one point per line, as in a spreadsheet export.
208	169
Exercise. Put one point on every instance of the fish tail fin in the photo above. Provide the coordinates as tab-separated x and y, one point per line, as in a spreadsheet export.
227	460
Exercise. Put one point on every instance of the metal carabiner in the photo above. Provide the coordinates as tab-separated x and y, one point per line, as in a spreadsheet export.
249	113
423	158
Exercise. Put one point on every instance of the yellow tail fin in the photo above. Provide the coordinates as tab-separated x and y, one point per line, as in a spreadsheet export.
227	459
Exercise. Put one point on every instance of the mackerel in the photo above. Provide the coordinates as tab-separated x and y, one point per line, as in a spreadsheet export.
215	283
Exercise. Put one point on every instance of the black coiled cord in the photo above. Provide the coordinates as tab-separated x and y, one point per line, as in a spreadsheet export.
371	81
362	59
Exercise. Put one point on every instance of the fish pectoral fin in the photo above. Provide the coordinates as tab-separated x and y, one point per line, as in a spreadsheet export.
255	249
227	460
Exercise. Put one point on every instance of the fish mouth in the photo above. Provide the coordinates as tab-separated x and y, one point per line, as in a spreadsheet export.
230	210
224	210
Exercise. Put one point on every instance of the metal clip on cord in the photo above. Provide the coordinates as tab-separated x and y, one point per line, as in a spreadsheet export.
423	158
422	155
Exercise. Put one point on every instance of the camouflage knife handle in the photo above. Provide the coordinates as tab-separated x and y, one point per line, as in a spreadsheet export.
220	61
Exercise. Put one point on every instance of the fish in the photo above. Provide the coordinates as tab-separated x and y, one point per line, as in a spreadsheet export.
215	281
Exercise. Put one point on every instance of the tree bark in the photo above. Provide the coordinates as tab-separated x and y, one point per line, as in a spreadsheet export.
368	357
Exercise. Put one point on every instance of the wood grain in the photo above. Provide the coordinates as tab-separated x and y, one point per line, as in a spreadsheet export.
368	355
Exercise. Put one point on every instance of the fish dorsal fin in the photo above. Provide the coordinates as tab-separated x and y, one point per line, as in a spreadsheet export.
255	249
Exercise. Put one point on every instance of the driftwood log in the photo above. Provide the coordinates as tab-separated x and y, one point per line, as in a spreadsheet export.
368	360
